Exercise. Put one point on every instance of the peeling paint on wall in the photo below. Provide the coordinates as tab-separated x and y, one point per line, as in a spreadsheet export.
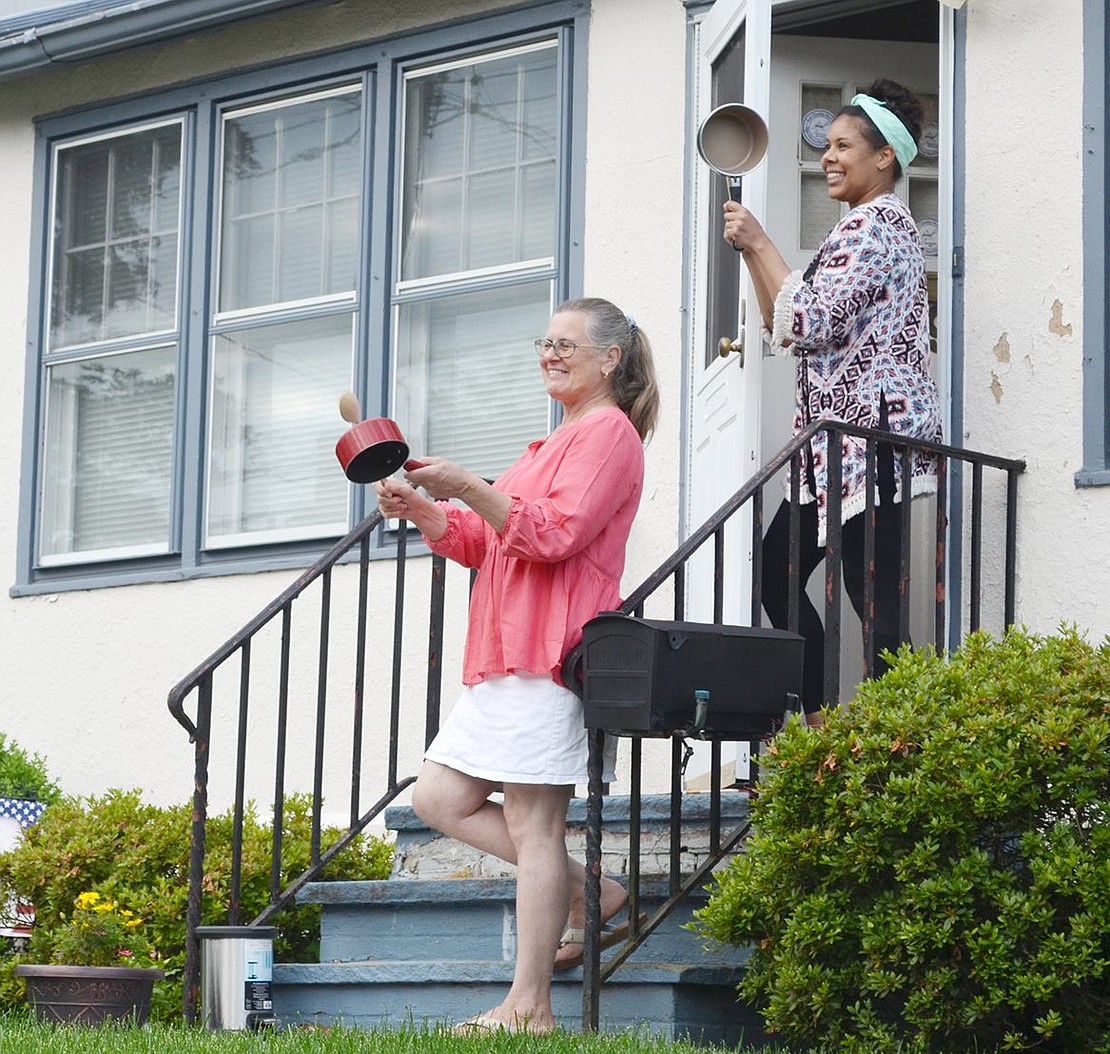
996	387
1056	325
1002	348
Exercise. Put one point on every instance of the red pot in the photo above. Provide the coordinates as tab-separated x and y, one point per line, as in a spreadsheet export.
372	450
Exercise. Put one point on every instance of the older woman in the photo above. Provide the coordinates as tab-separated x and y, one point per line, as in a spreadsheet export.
857	322
548	539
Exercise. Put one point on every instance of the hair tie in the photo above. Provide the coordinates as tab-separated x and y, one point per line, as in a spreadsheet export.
631	325
890	126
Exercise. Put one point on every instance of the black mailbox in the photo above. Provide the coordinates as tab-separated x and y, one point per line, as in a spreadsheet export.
639	676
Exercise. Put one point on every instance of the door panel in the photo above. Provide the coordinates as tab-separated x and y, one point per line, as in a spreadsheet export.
733	62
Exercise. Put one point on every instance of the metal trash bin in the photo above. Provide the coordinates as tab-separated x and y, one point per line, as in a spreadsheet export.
236	977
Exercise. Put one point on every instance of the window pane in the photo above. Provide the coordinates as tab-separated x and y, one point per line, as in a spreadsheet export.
289	228
480	152
722	261
272	471
115	255
819	212
453	353
108	462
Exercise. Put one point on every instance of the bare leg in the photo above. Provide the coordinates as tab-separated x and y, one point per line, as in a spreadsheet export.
536	817
529	831
459	806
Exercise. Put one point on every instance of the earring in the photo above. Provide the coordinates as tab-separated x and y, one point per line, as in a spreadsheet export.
605	374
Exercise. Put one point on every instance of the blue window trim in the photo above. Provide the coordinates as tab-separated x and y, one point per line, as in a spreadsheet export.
1096	251
378	64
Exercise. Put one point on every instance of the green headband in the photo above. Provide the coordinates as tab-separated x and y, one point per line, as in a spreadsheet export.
890	125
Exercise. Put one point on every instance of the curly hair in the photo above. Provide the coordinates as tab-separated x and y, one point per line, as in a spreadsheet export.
901	102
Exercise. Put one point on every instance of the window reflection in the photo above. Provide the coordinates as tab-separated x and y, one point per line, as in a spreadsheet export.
115	256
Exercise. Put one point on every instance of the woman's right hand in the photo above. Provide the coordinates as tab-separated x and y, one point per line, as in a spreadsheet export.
393	498
742	229
400	500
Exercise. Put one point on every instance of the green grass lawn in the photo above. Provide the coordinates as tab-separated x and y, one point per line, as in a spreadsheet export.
18	1035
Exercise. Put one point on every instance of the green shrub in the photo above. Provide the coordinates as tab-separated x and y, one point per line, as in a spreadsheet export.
930	870
24	775
138	855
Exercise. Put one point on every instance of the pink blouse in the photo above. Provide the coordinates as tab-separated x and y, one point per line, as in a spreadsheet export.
559	558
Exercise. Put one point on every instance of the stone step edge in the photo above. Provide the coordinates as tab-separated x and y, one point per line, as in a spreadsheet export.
471	971
615	811
437	891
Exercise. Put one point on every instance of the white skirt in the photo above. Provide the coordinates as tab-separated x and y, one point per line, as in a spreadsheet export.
518	728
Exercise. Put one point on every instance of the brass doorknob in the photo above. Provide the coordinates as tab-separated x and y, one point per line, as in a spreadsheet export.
726	346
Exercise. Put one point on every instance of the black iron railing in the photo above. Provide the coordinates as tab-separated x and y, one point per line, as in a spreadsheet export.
361	721
957	526
226	684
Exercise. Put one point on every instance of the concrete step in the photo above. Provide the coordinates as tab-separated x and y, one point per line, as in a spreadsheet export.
460	920
436	943
421	852
673	1001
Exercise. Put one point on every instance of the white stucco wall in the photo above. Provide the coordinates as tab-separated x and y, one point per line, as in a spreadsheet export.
85	674
1024	337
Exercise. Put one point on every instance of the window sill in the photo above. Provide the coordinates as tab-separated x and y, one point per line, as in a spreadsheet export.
1092	477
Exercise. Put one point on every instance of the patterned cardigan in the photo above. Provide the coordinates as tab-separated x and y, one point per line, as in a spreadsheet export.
857	322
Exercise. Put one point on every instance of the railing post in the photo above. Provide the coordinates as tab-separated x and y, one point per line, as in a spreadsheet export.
282	743
321	715
868	620
591	951
834	550
359	688
1011	547
240	785
907	542
941	598
197	834
976	546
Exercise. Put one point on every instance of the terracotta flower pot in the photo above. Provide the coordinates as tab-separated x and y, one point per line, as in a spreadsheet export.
90	994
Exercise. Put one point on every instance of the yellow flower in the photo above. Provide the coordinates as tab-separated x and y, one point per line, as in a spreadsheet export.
87	900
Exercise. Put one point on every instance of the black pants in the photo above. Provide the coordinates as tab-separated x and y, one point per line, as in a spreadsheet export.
776	552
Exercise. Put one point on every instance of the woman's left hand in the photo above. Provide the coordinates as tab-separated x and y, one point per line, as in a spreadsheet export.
444	479
441	478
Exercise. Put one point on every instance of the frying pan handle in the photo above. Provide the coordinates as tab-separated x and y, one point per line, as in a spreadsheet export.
412	463
733	185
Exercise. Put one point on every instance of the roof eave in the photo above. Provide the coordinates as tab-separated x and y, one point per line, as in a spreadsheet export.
117	28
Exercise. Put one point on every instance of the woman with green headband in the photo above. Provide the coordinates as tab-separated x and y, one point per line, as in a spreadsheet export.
857	323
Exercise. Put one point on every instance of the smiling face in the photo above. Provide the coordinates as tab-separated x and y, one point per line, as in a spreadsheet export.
579	380
855	171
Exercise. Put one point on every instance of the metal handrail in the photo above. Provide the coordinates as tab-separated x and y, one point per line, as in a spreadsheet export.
947	539
198	684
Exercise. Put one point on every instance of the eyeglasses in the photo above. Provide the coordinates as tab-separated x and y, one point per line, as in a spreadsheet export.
564	349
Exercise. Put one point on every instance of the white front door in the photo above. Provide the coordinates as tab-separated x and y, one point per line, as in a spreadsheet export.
740	412
733	65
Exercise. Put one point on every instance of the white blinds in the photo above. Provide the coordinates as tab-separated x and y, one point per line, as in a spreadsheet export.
479	194
108	469
107	462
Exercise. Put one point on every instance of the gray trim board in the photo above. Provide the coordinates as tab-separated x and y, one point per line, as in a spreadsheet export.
956	365
1096	327
81	31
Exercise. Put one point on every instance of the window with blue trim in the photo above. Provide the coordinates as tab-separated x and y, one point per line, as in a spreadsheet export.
219	269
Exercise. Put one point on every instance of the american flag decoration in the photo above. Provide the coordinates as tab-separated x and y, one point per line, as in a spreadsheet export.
24	811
